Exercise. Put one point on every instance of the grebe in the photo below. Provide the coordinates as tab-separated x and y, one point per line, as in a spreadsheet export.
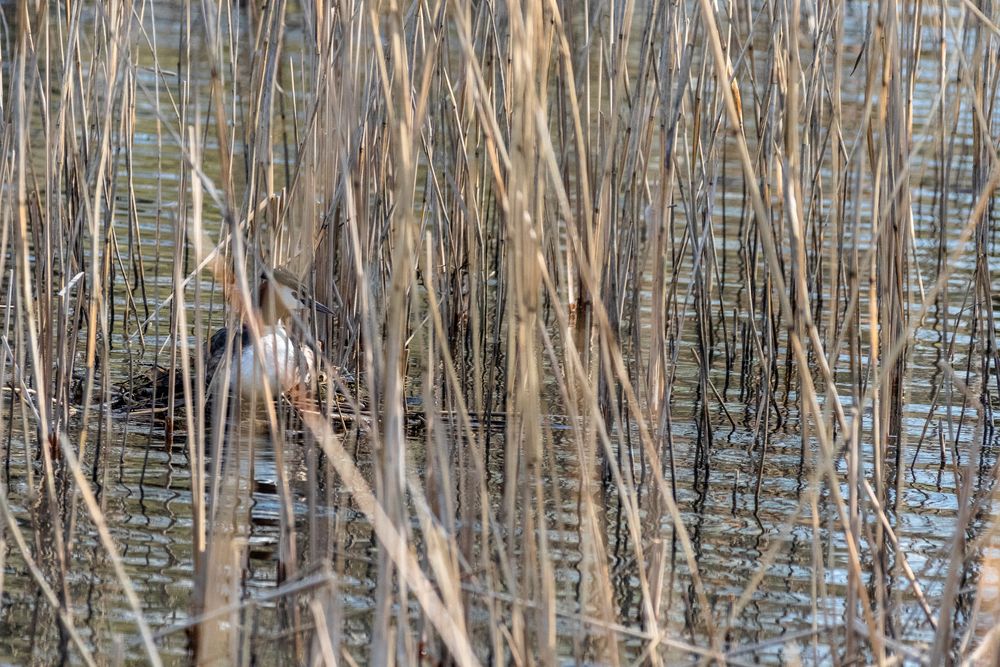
277	361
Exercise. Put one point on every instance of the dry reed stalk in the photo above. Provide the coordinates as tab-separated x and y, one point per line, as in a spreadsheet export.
522	213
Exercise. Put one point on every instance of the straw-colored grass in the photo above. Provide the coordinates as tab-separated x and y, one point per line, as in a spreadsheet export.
593	266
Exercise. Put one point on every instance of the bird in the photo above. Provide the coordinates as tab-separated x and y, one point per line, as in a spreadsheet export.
276	361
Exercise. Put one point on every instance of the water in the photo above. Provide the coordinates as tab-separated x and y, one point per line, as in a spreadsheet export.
144	482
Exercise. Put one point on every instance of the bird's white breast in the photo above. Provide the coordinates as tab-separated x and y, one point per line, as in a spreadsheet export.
277	361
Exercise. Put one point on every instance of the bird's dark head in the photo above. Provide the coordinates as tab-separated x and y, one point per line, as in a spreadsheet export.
283	295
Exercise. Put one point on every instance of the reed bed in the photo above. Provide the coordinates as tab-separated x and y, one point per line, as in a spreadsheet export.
664	332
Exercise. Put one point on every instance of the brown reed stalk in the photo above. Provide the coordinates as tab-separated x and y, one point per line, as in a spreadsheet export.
553	235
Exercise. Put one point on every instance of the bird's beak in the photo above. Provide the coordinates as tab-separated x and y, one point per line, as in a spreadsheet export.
320	308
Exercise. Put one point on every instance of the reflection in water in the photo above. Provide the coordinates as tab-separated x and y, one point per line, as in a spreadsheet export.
735	457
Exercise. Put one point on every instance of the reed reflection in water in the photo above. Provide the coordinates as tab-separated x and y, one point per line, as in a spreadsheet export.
660	332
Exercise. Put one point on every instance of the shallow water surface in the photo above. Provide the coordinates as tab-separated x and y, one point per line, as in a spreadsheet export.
743	477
